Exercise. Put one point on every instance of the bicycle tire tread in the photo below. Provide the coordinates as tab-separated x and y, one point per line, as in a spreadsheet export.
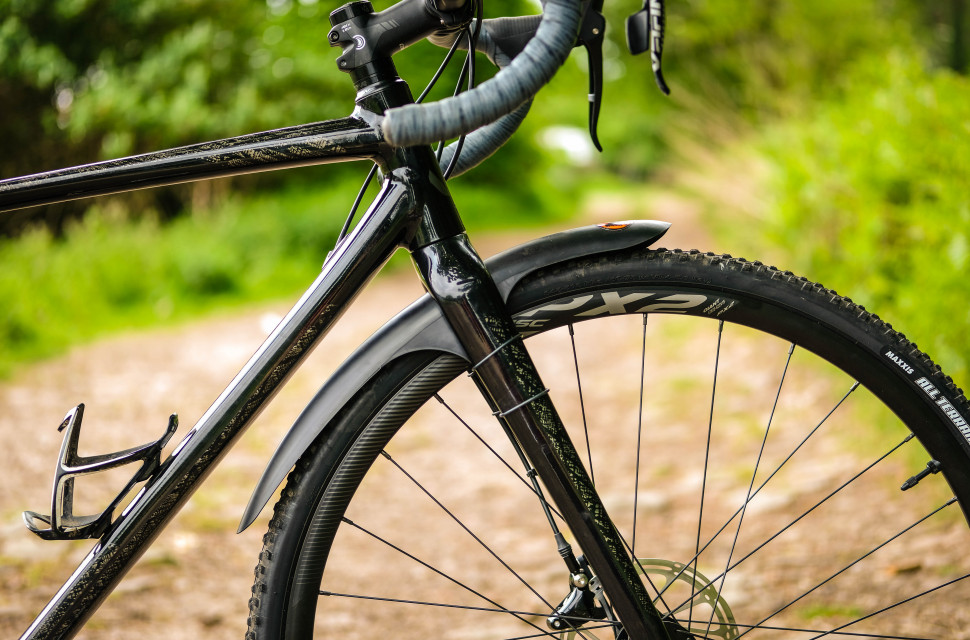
276	524
843	304
811	292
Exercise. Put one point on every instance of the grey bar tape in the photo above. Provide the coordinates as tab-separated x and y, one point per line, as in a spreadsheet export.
423	124
483	142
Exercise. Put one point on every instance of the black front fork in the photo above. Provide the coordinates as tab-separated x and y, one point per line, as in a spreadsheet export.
457	278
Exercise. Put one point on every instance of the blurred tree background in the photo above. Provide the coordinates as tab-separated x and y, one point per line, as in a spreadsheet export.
845	124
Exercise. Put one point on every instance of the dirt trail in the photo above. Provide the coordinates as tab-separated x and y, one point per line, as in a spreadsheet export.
130	384
195	580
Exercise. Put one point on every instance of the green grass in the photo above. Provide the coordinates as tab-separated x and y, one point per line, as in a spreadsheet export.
829	612
109	273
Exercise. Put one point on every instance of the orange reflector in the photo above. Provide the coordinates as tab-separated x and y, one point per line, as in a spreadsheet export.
614	226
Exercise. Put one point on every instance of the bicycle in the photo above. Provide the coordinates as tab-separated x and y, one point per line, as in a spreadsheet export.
574	565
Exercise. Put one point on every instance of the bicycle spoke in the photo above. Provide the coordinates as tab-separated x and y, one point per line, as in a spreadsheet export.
707	458
582	405
787	459
858	560
822	501
636	469
467	530
754	475
851	634
450	578
563	547
437	571
813	508
464	607
855	385
594	627
497	455
629	546
892	606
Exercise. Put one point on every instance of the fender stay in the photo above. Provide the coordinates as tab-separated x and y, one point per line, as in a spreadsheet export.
422	327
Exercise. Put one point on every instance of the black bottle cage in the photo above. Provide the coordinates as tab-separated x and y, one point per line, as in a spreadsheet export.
63	524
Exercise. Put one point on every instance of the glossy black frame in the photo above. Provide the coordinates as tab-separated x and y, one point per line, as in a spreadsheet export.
412	210
339	140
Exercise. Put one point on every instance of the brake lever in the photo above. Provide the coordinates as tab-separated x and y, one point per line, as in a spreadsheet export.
591	33
645	30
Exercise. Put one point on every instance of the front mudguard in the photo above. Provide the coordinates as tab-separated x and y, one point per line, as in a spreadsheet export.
422	327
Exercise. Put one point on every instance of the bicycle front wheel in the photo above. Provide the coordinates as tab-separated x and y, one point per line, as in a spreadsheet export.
747	430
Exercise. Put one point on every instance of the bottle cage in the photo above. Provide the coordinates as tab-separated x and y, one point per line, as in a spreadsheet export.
63	524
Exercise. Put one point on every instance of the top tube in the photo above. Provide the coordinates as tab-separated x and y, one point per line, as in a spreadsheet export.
339	140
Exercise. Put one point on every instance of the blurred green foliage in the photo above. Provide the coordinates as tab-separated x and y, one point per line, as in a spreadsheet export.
82	80
869	194
857	111
850	123
108	272
734	65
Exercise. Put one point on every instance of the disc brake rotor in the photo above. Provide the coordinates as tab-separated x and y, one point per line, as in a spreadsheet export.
703	614
706	614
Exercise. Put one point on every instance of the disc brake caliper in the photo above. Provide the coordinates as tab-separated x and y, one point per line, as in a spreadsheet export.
703	614
581	605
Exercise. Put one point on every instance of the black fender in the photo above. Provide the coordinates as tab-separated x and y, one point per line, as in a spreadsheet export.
422	327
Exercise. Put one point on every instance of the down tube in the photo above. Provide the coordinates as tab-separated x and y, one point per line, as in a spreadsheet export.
346	272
